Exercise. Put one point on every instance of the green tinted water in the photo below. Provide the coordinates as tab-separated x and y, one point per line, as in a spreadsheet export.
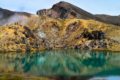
62	63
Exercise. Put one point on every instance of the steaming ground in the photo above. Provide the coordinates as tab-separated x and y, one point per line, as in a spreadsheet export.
16	17
8	17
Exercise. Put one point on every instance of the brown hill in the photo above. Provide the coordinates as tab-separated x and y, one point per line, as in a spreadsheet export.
66	10
110	19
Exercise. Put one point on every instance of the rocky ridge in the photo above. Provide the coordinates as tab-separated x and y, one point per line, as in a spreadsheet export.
65	10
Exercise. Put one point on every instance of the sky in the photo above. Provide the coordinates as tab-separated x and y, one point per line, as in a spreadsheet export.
111	7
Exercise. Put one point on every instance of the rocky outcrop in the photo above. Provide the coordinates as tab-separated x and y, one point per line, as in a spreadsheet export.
55	34
16	37
76	33
94	35
65	10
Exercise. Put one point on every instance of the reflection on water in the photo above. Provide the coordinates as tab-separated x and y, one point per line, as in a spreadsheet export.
62	63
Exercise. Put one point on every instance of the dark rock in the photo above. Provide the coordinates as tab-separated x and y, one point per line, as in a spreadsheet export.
72	27
98	35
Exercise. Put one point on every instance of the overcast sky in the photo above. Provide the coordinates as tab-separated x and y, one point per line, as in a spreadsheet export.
111	7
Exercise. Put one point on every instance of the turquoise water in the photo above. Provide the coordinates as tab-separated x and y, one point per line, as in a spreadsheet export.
63	63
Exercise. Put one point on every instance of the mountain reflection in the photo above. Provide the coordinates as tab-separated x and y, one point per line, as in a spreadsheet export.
62	63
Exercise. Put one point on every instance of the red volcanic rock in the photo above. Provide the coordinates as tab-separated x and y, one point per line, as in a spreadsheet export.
65	10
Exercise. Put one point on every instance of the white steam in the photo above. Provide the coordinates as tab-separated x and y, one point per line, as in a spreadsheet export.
22	19
1	16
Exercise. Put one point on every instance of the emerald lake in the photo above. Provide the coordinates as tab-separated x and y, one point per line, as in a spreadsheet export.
66	63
